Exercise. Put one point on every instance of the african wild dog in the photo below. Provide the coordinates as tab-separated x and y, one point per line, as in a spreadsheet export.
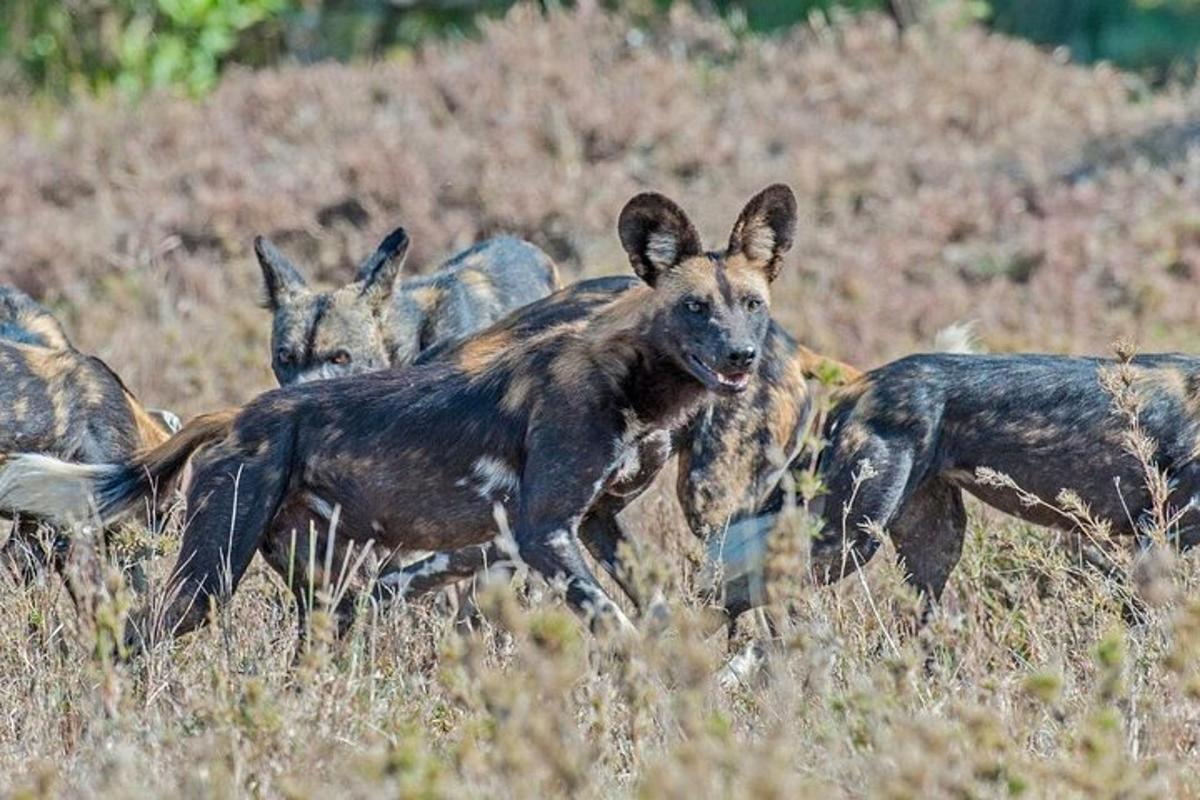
731	457
373	323
60	402
376	322
542	430
928	423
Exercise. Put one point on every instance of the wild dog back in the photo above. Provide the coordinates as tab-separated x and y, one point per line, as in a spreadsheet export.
25	321
468	293
1046	421
375	322
59	401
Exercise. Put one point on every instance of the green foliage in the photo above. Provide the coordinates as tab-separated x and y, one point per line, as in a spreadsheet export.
65	46
133	45
1156	37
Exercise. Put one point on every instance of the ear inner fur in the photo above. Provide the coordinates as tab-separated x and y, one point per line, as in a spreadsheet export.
656	234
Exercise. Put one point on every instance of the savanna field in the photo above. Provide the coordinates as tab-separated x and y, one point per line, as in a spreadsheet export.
947	175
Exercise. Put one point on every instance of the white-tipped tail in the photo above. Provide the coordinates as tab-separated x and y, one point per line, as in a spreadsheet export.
51	489
957	338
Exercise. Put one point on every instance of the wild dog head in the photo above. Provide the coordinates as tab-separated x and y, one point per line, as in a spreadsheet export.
328	334
713	306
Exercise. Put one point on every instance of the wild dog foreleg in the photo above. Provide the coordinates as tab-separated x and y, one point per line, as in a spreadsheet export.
602	534
565	472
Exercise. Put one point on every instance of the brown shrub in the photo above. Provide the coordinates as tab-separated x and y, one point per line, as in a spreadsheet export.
930	178
939	180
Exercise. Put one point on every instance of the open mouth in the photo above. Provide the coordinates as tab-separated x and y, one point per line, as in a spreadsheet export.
727	381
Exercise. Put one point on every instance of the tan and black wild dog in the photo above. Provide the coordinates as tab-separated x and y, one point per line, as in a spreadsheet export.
928	424
376	322
732	455
60	402
426	458
732	458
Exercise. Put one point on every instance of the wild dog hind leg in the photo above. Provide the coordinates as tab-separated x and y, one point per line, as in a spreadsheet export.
868	479
315	566
233	497
28	555
928	534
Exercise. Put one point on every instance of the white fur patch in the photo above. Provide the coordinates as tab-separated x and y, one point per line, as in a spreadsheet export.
740	553
560	541
49	488
322	373
168	418
957	338
629	464
628	448
504	540
493	477
601	605
662	249
400	580
743	668
758	240
318	506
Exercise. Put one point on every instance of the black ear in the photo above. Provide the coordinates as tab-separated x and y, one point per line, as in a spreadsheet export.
379	272
766	228
656	234
280	278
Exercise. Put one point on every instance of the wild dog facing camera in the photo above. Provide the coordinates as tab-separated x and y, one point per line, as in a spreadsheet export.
380	320
720	310
319	335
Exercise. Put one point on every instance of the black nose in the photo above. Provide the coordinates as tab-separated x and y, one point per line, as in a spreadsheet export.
741	357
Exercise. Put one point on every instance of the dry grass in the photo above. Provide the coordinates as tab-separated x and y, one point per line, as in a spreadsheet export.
934	184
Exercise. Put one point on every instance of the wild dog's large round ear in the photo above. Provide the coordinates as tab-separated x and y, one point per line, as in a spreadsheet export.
766	228
379	271
280	278
656	234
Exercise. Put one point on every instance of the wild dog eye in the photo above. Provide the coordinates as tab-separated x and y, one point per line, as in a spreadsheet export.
752	303
285	356
695	306
341	358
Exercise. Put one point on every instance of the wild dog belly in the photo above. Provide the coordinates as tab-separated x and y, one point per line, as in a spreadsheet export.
1108	481
426	507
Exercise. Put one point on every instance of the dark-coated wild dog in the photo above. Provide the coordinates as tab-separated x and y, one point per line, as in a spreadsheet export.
732	456
928	423
60	402
375	322
427	458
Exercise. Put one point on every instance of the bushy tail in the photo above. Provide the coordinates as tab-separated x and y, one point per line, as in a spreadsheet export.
60	491
957	338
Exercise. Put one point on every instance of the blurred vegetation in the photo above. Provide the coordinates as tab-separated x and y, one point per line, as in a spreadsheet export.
64	46
59	46
1157	37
